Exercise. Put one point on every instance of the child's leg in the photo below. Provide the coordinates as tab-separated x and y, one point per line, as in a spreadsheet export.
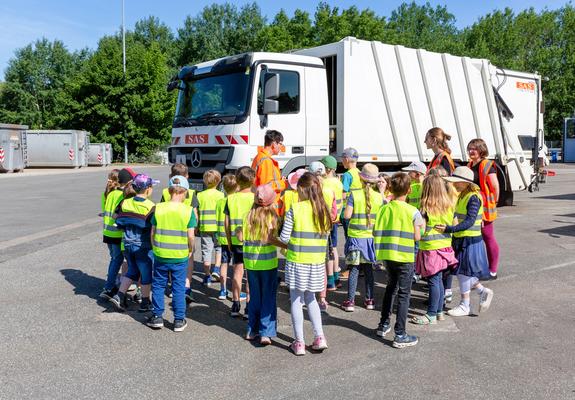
405	277
145	261
268	308
218	255
392	279
465	285
179	273
256	302
223	275
369	281
189	275
116	260
159	281
352	282
491	246
207	246
313	313
435	298
448	282
297	301
237	281
133	272
323	293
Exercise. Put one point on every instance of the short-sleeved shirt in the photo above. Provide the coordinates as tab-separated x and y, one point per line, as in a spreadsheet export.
346	181
475	169
192	223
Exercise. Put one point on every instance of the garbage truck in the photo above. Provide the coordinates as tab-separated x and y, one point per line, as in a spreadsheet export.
378	98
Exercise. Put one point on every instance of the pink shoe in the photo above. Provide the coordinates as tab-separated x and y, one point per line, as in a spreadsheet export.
348	306
319	343
298	348
369	304
323	306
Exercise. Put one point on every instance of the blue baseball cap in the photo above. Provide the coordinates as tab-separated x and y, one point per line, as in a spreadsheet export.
179	181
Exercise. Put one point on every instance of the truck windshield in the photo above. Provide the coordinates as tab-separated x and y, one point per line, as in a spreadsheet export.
218	99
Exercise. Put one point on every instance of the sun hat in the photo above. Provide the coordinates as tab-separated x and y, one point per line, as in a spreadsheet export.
316	167
125	175
329	162
370	173
350	152
462	174
265	195
142	182
294	177
416	166
183	182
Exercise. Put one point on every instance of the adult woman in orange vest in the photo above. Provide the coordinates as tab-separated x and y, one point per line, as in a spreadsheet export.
485	175
436	139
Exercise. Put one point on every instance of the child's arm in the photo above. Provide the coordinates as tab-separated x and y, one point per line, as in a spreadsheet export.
418	226
470	218
286	231
191	238
348	212
228	231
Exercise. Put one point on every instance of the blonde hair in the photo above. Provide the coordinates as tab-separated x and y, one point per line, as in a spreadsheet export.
367	192
262	222
309	188
212	178
435	199
229	183
113	182
441	138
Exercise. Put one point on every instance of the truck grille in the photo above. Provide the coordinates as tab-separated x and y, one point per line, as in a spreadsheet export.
209	158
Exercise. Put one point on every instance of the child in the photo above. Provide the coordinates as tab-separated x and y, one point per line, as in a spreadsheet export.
361	210
173	226
318	169
290	195
332	182
238	205
230	186
304	234
207	225
350	179
113	195
435	254
261	263
179	169
397	227
416	171
468	242
134	218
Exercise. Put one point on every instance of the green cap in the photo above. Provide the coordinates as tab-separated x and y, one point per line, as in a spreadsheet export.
329	162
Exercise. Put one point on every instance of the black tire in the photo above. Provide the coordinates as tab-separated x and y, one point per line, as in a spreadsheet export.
505	199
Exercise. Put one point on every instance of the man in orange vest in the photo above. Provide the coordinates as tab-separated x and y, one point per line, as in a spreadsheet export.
267	169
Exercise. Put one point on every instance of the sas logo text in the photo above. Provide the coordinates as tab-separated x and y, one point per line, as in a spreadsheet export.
196	139
525	86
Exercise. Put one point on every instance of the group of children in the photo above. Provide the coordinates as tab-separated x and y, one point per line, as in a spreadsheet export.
416	221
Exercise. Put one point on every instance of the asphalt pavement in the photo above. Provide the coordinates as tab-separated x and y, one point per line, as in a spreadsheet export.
57	341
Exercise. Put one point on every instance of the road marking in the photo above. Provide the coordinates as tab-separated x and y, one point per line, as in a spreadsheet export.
40	235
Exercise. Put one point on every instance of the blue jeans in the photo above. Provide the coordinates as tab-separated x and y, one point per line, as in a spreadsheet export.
353	277
116	260
436	294
398	276
178	272
262	309
140	262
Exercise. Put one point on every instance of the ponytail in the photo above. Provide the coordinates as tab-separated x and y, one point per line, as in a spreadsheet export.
366	190
129	191
441	138
113	182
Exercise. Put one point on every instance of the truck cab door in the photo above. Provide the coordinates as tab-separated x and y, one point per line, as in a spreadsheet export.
290	118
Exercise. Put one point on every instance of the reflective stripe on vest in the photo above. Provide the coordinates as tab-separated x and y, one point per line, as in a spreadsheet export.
336	186
220	220
307	245
258	255
171	231
393	232
488	196
239	205
358	223
432	239
414	197
207	201
187	201
112	201
461	214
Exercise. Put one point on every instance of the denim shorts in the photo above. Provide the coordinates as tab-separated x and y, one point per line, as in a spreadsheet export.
140	262
238	254
226	254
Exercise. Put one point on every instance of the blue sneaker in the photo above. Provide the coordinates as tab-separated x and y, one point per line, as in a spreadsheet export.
215	274
383	329
223	294
207	281
405	340
243	296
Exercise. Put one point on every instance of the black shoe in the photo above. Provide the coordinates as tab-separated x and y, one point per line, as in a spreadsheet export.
108	294
235	311
155	322
180	325
145	305
119	302
245	316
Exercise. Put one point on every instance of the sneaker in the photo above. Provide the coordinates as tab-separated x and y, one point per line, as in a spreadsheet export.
448	297
137	297
485	299
189	297
323	305
215	274
108	294
119	302
155	322
348	306
145	306
243	296
207	281
180	325
369	304
223	294
319	343
298	348
383	329
440	316
338	284
235	311
405	340
459	311
331	287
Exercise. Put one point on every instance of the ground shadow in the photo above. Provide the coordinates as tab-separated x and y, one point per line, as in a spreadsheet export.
566	215
558	232
84	284
566	196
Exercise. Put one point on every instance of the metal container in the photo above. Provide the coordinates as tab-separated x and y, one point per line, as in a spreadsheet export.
12	147
97	154
65	148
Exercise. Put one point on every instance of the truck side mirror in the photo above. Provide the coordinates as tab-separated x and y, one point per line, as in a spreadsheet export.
271	92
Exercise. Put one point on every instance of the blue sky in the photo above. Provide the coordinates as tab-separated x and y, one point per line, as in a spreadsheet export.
80	24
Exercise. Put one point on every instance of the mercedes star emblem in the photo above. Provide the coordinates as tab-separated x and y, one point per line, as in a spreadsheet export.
196	158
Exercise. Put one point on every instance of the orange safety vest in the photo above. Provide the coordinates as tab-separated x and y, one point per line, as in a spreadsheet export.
437	161
489	202
268	173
